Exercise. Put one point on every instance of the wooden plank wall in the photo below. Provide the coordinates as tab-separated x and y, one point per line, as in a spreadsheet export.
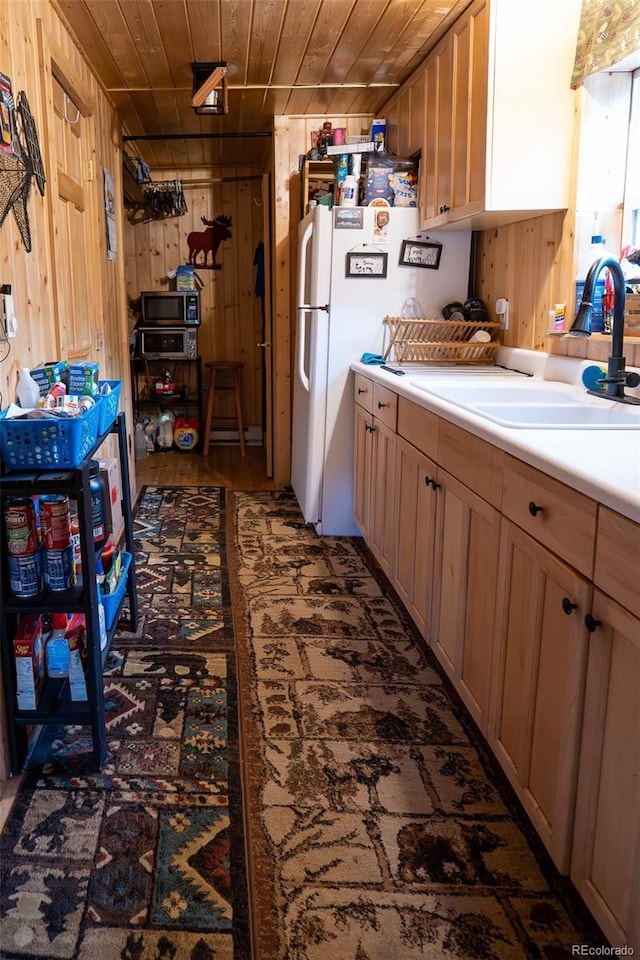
231	313
31	274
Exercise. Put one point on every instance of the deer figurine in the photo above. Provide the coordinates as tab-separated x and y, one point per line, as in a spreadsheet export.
207	241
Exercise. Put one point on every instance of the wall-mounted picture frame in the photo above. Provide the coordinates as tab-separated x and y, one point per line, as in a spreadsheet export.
367	264
420	253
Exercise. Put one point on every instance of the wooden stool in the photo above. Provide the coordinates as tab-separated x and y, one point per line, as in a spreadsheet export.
234	367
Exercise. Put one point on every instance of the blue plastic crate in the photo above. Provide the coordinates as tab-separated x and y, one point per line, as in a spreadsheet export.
48	444
111	601
109	404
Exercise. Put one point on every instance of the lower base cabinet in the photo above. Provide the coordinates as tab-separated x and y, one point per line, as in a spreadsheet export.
416	515
538	676
465	574
606	861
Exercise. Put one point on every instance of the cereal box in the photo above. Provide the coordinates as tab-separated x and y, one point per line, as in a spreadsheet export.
28	649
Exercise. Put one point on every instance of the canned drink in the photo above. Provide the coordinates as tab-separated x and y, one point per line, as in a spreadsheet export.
59	568
25	574
55	517
20	524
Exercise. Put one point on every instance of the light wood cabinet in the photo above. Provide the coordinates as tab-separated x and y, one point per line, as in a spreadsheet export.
538	678
606	855
416	500
467	542
405	118
435	168
362	461
374	468
498	75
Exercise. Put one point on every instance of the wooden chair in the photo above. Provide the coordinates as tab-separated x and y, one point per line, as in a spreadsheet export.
224	367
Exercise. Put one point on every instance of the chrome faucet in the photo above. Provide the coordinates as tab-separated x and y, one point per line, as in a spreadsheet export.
617	377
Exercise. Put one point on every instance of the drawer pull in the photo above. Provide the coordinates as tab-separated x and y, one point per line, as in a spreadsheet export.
381	405
362	389
568	606
591	623
534	509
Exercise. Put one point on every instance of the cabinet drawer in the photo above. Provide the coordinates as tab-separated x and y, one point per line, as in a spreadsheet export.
363	392
419	427
474	462
617	552
553	513
385	405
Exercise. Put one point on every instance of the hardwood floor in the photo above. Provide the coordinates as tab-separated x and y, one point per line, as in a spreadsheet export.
222	467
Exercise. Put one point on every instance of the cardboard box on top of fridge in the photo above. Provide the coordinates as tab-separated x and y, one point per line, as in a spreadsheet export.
28	650
111	475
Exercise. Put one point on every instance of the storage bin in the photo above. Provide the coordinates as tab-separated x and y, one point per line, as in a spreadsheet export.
45	444
109	404
111	601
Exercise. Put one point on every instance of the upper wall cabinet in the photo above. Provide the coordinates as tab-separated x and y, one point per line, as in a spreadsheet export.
405	118
499	115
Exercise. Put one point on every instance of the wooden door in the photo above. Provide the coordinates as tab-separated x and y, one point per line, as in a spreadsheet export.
435	170
470	38
606	851
383	504
467	544
266	343
71	140
538	673
362	460
416	511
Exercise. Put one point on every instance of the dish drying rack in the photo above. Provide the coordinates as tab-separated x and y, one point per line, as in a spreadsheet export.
439	340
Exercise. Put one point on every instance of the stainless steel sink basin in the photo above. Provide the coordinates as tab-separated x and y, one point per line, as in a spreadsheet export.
536	405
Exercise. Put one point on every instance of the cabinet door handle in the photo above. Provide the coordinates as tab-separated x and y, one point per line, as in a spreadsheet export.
362	389
445	208
591	623
534	509
381	405
430	482
368	427
435	485
568	606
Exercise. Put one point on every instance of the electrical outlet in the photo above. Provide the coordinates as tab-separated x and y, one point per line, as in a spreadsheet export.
502	310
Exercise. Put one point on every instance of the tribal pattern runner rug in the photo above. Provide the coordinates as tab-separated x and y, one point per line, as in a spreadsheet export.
379	828
144	861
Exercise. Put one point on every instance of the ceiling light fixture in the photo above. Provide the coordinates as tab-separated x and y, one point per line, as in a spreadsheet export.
210	94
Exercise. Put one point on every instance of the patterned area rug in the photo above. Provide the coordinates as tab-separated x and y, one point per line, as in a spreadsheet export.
378	825
144	861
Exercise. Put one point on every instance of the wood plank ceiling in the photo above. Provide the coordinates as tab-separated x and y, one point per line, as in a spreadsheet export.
297	57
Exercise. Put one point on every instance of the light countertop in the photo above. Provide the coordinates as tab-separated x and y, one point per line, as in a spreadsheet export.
604	464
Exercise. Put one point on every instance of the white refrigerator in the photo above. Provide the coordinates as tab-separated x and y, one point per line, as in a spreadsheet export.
345	289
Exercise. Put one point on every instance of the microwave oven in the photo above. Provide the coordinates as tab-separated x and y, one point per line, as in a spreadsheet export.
167	343
169	308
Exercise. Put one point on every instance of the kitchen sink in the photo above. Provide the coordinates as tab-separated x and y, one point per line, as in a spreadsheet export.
536	405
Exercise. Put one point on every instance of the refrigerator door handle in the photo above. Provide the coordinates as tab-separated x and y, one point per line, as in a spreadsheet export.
309	306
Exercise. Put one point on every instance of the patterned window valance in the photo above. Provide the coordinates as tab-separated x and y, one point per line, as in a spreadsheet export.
608	33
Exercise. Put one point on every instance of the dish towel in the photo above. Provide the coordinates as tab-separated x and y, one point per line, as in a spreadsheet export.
372	358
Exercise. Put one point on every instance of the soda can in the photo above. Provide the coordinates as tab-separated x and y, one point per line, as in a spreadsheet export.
59	568
20	525
55	517
25	574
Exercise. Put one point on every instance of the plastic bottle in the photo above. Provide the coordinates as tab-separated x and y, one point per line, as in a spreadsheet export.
102	620
56	653
27	390
140	442
349	192
98	505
